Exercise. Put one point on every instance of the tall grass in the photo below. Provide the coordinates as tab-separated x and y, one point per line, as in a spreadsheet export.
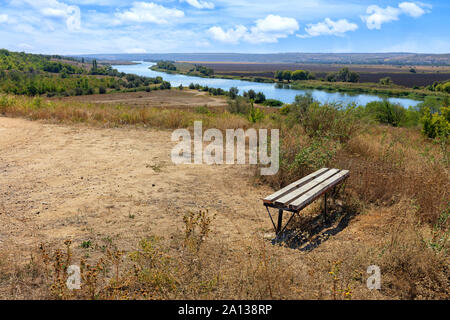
113	116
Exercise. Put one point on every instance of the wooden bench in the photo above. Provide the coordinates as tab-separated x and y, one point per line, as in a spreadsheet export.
299	194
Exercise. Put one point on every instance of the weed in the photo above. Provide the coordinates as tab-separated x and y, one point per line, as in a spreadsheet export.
86	244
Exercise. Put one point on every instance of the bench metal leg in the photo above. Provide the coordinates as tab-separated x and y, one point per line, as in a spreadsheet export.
280	220
279	227
325	208
273	223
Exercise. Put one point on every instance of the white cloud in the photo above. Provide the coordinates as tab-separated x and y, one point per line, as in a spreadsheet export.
329	27
411	9
3	18
200	4
377	15
230	36
273	23
267	30
56	9
148	12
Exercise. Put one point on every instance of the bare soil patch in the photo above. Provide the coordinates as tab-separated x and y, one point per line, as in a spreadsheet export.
60	182
81	183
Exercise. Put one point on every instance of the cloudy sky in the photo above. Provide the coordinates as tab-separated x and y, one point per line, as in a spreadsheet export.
113	26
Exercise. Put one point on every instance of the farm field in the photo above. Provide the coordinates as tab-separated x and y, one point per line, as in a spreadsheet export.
425	75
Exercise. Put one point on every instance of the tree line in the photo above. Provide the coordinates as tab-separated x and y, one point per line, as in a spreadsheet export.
343	75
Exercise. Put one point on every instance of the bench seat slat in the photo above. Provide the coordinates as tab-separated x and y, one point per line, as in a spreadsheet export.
291	196
292	186
317	191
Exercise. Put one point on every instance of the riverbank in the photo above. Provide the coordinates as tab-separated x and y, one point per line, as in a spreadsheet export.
339	87
369	88
270	90
187	71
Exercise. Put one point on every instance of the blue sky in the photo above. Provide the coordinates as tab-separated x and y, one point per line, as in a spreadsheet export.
113	26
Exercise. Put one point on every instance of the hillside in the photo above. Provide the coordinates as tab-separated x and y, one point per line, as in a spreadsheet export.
31	74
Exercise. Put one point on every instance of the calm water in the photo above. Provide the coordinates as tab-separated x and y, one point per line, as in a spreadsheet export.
269	89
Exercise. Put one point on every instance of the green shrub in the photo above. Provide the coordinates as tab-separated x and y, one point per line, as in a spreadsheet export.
412	118
386	81
386	112
203	110
5	102
310	114
260	97
272	103
239	105
165	85
433	103
436	124
284	110
255	114
233	93
317	154
343	75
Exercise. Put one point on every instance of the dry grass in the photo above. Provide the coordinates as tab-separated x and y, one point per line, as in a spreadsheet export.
388	164
195	266
106	115
399	185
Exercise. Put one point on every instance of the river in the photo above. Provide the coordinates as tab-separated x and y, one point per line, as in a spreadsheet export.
269	89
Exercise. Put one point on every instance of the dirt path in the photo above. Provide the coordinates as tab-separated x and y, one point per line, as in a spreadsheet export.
59	182
80	183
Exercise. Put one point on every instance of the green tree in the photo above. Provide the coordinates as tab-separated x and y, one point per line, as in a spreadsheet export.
233	92
279	75
343	75
287	75
260	97
94	65
251	94
387	81
300	75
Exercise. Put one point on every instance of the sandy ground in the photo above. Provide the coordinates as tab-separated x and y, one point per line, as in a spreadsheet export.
81	183
60	182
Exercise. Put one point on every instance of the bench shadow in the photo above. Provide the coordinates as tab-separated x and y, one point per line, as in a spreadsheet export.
307	233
